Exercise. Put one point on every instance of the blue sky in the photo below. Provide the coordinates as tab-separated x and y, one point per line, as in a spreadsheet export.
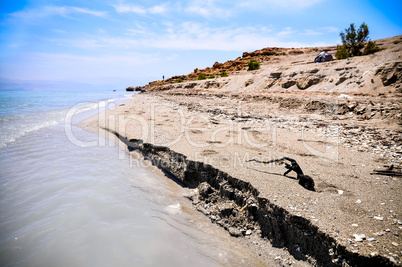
123	42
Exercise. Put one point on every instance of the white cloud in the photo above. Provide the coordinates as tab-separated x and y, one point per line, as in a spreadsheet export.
56	11
160	9
130	8
125	8
210	8
286	31
190	36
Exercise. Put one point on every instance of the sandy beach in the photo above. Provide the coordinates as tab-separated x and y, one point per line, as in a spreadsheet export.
340	120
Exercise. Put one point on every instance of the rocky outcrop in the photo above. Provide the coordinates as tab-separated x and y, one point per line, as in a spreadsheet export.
391	74
136	89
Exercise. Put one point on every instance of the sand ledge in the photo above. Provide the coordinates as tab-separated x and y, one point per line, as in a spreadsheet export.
297	234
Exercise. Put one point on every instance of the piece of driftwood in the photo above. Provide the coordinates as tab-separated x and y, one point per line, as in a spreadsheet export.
304	180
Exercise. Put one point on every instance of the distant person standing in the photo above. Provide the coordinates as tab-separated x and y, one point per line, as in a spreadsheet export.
163	77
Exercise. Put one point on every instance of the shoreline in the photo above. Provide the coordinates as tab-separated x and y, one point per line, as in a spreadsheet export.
340	120
196	146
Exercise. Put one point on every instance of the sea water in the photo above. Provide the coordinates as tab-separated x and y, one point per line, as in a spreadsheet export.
63	204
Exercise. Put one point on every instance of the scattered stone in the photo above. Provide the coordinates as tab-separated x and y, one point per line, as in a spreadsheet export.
374	254
379	218
395	244
379	233
359	237
249	232
340	192
372	239
234	232
358	201
355	225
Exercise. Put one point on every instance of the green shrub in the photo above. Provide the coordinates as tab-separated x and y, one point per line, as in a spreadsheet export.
202	76
341	52
212	76
354	41
224	73
371	48
253	65
180	80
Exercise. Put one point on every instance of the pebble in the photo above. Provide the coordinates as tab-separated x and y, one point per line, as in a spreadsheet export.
358	201
248	232
378	218
359	237
340	192
395	244
374	254
355	225
371	239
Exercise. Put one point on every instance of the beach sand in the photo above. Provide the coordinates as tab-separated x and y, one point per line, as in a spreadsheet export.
339	134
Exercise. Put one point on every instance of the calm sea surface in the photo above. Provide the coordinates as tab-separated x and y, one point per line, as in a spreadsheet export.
68	205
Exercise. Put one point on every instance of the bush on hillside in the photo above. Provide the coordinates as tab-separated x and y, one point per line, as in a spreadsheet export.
341	52
202	76
224	73
371	48
253	65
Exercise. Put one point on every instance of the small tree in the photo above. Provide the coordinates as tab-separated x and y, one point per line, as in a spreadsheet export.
354	41
224	73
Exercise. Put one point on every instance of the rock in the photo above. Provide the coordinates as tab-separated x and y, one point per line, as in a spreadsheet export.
358	201
395	244
379	233
379	218
288	84
249	82
355	225
306	82
372	239
390	74
204	189
249	232
340	192
341	80
276	75
359	237
234	232
225	209
374	254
